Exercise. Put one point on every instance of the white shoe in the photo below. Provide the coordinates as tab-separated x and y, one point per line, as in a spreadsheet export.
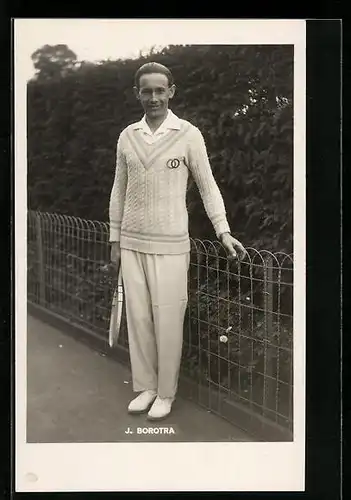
160	409
142	402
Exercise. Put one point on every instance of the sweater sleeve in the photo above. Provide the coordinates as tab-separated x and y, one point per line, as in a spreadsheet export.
118	193
201	171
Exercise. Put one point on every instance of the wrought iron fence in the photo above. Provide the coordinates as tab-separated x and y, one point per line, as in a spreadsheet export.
238	333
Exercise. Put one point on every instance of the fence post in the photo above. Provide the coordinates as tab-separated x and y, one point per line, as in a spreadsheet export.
40	253
269	371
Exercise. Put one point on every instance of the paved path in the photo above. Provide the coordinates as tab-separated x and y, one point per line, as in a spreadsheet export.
77	395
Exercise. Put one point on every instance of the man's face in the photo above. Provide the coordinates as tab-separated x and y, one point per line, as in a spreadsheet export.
154	93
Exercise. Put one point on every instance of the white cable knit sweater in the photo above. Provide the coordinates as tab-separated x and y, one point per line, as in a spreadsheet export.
148	210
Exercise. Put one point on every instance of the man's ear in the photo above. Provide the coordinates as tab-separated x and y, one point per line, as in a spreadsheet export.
172	91
136	92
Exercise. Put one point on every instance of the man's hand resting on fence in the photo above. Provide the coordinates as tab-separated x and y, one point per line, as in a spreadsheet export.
115	253
233	246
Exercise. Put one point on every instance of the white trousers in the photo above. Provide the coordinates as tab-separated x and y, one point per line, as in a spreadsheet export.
156	300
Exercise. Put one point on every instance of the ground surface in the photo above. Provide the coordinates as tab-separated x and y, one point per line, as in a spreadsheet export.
74	394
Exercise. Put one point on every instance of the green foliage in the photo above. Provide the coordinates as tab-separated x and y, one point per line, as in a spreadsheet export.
53	61
239	96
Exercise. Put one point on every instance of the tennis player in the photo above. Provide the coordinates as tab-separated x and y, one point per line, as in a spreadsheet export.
149	234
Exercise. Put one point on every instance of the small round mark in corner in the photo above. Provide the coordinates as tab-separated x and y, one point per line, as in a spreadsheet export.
31	477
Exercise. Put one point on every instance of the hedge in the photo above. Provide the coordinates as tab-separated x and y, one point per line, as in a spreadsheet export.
241	97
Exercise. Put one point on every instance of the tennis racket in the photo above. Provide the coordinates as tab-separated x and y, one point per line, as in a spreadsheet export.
116	310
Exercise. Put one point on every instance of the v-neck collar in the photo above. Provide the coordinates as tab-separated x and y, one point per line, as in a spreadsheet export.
148	154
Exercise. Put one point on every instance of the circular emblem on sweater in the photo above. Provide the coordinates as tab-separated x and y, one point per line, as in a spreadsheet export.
173	163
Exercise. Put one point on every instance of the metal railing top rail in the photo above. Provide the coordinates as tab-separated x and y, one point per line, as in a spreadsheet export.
211	248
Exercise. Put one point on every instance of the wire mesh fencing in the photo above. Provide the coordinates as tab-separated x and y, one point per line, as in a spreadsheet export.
238	331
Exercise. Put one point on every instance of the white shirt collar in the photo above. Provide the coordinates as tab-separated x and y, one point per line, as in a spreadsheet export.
171	122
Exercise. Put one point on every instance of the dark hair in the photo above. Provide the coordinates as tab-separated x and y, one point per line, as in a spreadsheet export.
153	67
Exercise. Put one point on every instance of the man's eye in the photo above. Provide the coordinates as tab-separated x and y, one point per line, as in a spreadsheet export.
147	92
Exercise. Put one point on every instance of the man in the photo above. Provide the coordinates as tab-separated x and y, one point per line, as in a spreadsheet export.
149	234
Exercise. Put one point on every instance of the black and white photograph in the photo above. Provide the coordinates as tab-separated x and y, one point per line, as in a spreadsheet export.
160	254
